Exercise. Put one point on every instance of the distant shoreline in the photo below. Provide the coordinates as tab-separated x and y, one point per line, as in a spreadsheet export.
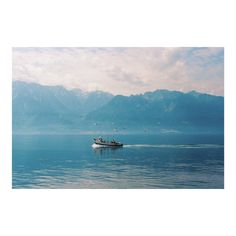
115	134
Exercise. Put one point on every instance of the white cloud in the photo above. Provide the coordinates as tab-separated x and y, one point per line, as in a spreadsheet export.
122	70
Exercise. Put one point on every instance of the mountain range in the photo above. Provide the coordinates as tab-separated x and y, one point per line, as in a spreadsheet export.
38	108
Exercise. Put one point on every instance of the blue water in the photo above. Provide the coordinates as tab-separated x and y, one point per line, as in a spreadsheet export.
145	161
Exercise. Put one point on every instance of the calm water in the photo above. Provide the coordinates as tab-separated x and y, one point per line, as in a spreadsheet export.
146	161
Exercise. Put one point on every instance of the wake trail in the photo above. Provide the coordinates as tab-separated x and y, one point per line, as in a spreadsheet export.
173	146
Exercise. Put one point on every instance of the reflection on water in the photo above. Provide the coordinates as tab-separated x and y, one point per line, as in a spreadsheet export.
143	162
105	150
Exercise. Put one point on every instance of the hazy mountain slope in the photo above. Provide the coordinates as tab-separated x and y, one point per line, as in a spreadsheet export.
35	105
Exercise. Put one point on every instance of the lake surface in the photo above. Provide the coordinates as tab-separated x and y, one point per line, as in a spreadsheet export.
145	161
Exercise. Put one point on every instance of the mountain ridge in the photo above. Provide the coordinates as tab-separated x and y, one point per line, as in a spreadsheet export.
54	108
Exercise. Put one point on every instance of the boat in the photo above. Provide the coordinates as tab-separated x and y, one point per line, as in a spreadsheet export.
103	143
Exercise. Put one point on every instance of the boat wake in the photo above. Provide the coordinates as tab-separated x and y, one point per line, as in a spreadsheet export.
174	146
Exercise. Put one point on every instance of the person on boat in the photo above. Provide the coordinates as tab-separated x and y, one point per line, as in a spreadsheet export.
100	139
113	141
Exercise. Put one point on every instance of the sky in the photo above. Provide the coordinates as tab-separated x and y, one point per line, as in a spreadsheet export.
123	71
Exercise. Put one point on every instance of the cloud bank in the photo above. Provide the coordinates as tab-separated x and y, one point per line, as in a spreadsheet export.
123	70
